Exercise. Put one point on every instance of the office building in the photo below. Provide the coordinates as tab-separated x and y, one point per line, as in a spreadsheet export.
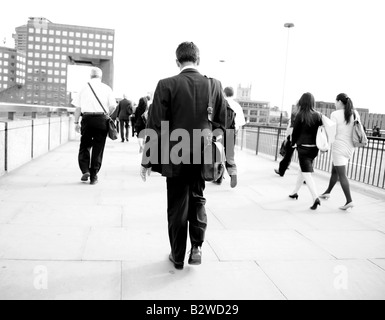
44	50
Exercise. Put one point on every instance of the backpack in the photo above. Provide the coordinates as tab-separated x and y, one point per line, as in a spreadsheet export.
359	136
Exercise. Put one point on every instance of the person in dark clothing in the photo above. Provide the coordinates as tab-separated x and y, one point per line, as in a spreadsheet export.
305	132
289	148
181	102
140	124
123	113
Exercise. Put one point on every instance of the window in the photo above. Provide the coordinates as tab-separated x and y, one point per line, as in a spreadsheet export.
44	48
85	35
97	37
72	34
51	40
77	42
58	41
110	46
30	38
90	44
97	44
111	38
91	52
84	51
37	39
84	43
58	32
103	53
51	32
78	35
91	36
104	45
64	65
57	56
37	47
97	52
104	37
65	33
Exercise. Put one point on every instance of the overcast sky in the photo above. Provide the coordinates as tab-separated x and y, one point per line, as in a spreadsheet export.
336	45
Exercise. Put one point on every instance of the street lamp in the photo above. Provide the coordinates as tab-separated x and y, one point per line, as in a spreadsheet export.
288	26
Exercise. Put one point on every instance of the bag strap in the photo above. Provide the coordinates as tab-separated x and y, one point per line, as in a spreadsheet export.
210	109
97	98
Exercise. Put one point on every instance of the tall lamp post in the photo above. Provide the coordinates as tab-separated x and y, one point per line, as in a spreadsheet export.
288	26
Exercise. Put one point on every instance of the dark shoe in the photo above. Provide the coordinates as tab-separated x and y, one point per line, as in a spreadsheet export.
234	181
195	256
177	265
123	141
316	204
85	177
277	172
294	196
94	180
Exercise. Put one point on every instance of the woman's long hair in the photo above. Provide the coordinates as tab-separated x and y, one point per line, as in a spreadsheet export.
142	106
306	109
349	108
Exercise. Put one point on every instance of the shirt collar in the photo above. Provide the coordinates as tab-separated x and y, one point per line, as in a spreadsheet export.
189	67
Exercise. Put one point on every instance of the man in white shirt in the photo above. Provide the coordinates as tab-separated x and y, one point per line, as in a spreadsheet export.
94	126
235	121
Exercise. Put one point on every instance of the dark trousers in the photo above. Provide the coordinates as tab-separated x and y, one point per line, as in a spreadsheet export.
92	143
133	126
186	212
286	161
124	129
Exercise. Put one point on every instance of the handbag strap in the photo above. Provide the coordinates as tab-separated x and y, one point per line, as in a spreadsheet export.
97	98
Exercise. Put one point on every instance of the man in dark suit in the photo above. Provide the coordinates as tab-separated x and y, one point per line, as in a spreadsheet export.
179	110
123	113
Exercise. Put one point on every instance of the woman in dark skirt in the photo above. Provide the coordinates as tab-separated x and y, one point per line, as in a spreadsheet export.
305	132
140	124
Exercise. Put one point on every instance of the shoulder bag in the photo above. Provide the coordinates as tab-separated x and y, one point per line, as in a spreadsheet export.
360	138
112	130
213	152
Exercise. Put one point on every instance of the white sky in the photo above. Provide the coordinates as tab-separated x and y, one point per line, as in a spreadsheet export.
336	45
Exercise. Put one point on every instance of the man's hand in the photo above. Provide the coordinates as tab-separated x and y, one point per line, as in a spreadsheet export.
144	172
77	128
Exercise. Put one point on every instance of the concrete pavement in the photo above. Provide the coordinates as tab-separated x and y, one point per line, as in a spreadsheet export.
62	239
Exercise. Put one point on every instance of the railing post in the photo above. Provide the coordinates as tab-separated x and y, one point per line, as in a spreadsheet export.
258	136
277	149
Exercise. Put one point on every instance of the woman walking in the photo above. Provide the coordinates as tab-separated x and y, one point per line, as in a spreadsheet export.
342	148
304	136
140	125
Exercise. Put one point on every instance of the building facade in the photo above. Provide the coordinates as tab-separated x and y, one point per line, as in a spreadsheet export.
44	50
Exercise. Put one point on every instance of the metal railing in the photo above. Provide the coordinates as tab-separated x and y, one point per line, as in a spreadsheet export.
366	166
10	111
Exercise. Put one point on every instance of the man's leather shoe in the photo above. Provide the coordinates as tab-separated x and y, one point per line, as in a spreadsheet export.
277	172
234	181
177	265
86	176
195	256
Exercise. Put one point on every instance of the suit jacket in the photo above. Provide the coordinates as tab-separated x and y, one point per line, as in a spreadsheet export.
123	111
182	102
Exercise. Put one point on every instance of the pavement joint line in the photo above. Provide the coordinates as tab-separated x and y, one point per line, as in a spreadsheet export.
316	245
209	244
271	280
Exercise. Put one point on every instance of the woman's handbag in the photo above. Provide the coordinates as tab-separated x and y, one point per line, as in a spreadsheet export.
360	138
213	153
112	130
322	140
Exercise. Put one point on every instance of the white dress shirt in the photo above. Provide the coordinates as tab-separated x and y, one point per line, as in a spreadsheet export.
87	102
239	115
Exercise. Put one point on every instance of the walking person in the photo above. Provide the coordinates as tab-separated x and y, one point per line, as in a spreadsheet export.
93	127
342	148
140	124
289	148
305	131
123	113
182	102
235	121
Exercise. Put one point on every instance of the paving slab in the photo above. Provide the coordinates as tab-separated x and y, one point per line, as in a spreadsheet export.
327	280
210	281
59	280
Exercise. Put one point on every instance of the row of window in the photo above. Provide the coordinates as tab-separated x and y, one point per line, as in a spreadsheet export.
71	34
51	103
6	55
43	87
49	64
96	52
70	42
48	79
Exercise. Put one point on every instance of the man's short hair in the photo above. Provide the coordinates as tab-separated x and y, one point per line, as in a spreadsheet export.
187	52
96	73
229	92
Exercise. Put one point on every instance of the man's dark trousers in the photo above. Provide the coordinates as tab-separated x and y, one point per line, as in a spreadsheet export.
124	129
186	212
94	134
286	161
